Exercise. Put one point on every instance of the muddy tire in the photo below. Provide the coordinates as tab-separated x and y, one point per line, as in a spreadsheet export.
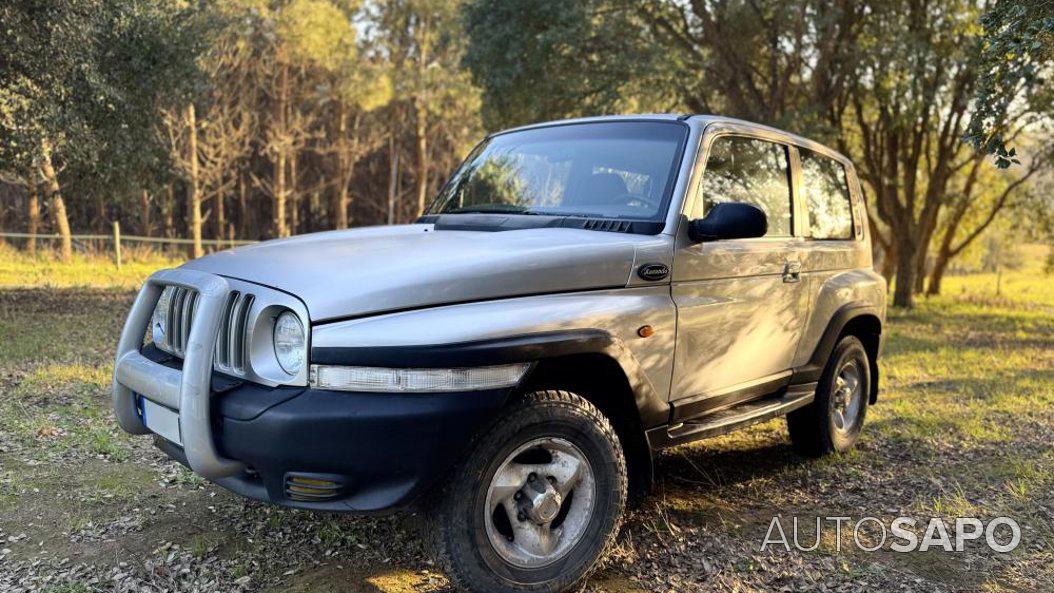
537	502
832	422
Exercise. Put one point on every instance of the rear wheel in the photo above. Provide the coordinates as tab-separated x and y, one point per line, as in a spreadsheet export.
538	500
832	422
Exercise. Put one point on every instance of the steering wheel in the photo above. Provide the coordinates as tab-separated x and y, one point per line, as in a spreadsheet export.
641	201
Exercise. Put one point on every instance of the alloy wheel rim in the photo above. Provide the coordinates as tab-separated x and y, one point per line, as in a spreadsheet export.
848	397
546	491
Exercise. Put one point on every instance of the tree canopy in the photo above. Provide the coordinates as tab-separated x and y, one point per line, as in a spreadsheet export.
1015	63
889	83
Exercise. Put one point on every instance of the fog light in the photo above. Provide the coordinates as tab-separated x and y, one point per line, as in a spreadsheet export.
313	487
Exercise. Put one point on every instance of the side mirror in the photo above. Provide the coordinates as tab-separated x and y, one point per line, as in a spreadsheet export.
729	220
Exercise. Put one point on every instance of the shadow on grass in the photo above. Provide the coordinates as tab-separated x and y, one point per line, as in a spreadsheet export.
704	469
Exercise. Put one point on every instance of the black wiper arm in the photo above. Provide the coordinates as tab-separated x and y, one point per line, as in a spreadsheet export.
491	210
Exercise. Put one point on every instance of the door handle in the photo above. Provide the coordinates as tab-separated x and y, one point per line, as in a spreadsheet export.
792	271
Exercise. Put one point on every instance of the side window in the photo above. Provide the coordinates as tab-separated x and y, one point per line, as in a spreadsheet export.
825	190
748	170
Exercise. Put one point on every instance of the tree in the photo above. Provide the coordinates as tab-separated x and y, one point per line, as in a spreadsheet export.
764	60
976	202
80	85
360	91
1015	61
825	69
421	41
311	39
544	60
908	111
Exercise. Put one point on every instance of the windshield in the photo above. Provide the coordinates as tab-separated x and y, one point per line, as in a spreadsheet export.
596	170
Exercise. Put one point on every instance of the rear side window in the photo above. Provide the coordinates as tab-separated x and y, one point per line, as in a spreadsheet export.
753	171
825	189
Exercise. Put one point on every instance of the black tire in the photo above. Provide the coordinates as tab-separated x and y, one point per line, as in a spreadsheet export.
813	430
458	527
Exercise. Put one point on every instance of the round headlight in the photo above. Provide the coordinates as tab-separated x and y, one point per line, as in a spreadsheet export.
157	324
290	343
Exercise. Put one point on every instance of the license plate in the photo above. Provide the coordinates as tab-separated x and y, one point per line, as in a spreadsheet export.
161	420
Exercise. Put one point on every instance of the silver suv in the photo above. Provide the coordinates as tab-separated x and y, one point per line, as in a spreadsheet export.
580	295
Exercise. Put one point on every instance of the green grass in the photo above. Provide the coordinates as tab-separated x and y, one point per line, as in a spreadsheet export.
44	270
970	362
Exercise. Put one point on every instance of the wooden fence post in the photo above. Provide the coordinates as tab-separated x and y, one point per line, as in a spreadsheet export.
117	243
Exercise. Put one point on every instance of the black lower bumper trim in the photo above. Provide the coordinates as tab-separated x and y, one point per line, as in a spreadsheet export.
384	449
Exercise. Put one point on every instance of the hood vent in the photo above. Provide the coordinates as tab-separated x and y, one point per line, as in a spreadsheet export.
512	222
602	224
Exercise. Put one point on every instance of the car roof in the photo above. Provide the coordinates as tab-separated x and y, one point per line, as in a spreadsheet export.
700	119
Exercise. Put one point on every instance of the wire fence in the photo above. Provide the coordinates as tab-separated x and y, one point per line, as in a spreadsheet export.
116	239
132	238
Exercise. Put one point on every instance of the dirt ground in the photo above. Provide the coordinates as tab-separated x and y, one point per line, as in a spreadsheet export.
964	427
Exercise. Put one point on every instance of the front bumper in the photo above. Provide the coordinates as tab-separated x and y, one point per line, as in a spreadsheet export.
381	450
294	446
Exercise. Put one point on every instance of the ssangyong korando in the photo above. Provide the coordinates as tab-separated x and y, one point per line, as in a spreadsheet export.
579	295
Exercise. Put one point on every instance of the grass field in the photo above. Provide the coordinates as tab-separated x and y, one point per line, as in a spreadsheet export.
964	427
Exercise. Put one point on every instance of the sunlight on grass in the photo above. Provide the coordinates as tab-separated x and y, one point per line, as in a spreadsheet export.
19	269
397	581
71	378
971	365
953	502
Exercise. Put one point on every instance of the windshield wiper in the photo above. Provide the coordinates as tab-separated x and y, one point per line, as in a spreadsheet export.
496	209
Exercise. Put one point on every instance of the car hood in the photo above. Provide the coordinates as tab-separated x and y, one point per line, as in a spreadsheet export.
340	274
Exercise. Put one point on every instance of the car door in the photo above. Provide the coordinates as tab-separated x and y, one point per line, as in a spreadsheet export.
740	303
832	225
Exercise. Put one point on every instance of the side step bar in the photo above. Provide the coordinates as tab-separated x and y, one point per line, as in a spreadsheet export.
741	415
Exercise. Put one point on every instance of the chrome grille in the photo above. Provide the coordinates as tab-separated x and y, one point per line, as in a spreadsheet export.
231	347
230	344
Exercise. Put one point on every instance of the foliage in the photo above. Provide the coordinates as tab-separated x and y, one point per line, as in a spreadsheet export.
84	78
823	69
1015	67
551	59
769	61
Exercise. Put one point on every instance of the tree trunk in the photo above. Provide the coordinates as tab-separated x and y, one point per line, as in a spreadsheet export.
294	197
920	274
281	151
339	206
169	213
423	34
243	208
193	197
33	218
940	266
421	137
904	290
58	205
889	267
279	195
220	222
144	213
62	223
102	221
393	178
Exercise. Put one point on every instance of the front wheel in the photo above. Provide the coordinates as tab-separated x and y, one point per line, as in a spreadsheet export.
538	500
832	422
